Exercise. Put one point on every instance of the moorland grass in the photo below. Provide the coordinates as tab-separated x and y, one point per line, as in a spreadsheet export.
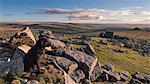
131	61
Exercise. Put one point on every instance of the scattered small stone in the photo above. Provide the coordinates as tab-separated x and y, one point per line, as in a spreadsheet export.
102	42
16	82
43	70
33	82
120	51
107	35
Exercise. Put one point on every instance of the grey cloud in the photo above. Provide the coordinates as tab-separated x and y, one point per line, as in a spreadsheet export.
58	11
72	14
84	17
8	14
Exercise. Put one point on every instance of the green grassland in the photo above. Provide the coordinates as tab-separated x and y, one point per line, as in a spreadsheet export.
131	61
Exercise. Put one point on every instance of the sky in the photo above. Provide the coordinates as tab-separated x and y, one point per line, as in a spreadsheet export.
82	11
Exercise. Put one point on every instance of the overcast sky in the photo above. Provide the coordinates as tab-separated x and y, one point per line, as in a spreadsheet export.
89	11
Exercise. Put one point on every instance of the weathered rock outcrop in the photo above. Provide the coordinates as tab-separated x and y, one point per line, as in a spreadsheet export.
78	75
71	62
138	45
85	62
44	44
21	51
15	64
48	39
124	75
96	73
141	77
113	77
49	61
24	36
89	48
67	65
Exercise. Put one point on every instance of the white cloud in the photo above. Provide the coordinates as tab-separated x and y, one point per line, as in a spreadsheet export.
85	14
147	13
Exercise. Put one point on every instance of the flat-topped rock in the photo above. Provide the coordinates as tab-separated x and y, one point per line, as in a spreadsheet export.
21	51
55	44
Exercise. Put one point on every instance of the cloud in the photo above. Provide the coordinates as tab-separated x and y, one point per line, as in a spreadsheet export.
83	17
127	14
7	14
73	14
56	11
146	13
85	14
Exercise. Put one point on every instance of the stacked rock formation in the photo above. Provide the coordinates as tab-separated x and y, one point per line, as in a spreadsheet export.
19	45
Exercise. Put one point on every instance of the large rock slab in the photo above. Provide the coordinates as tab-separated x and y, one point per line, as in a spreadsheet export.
67	65
15	64
55	44
124	75
68	79
47	39
96	73
32	57
6	52
21	51
24	36
85	62
113	77
142	77
89	49
12	66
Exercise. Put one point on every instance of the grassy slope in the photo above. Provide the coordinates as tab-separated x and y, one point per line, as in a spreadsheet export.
145	35
131	61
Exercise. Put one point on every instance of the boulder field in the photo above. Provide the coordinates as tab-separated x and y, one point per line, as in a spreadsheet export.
48	60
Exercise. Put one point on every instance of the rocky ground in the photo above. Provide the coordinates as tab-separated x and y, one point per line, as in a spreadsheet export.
45	59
